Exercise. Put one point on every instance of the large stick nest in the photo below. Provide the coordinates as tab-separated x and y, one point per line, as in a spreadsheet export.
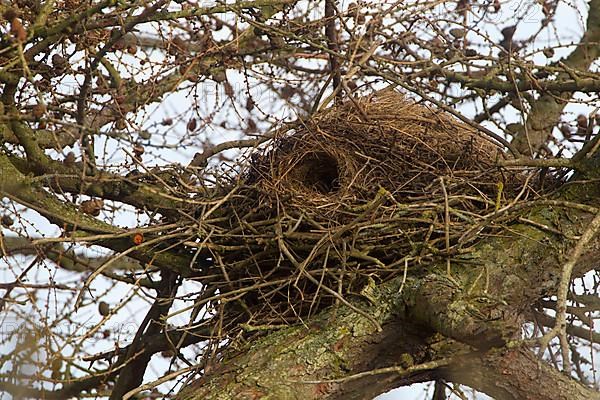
364	191
344	155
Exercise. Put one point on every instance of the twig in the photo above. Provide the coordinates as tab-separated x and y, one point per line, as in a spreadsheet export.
446	225
388	370
132	374
332	44
200	160
22	275
560	328
540	163
579	331
302	269
548	228
104	266
159	381
88	145
404	275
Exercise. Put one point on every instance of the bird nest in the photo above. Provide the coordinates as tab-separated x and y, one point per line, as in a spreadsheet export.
361	192
345	155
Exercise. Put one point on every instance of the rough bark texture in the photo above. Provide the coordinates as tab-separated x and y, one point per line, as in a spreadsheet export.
301	362
516	374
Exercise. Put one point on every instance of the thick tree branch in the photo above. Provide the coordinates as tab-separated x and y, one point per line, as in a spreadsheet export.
83	225
516	374
299	362
132	374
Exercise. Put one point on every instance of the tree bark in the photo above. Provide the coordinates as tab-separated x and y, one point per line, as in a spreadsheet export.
516	374
304	362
